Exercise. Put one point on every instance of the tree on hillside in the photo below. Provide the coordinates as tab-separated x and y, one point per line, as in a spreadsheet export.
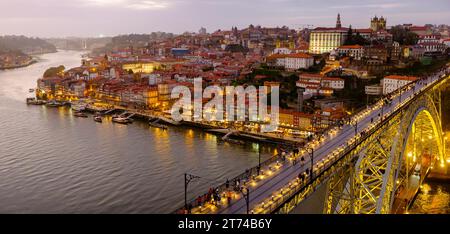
22	43
54	71
349	40
403	36
355	39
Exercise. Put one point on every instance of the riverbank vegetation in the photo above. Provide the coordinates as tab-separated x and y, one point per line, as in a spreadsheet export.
27	45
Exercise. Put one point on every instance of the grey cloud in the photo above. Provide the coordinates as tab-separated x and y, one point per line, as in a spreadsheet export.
111	17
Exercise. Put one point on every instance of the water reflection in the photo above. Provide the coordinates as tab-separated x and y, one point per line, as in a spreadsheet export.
434	198
52	162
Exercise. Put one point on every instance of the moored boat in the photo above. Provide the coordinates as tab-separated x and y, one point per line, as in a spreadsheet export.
31	101
98	119
40	102
53	103
121	120
157	125
80	114
34	101
238	142
78	106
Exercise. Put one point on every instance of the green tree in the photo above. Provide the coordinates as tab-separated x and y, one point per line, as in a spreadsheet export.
360	40
403	36
349	40
355	39
54	71
411	38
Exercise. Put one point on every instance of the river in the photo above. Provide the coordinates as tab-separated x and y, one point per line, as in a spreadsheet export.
433	198
51	162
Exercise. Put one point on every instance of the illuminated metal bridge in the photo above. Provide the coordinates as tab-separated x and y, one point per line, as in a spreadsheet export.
367	174
364	167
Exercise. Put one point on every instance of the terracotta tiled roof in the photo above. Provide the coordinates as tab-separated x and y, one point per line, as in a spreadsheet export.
418	28
350	47
364	30
332	79
310	75
330	29
299	55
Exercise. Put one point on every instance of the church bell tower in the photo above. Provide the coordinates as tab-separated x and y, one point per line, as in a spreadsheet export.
338	21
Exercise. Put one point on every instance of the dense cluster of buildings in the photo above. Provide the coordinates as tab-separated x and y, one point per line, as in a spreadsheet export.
142	77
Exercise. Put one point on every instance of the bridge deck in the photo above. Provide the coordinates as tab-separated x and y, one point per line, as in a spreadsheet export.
263	189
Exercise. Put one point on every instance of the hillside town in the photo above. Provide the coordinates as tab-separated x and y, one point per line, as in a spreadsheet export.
325	73
246	113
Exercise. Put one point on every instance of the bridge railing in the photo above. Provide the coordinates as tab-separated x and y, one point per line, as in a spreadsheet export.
245	178
251	173
292	189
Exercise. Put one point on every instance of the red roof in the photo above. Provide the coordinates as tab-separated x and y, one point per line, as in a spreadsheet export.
296	55
364	30
260	77
418	28
310	75
350	47
330	29
299	55
332	78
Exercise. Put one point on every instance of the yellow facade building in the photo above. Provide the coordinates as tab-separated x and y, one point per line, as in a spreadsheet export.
324	40
141	67
151	97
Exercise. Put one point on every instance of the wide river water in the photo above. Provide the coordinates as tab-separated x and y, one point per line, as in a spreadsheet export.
51	162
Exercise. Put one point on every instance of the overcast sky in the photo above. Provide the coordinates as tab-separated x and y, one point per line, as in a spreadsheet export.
50	18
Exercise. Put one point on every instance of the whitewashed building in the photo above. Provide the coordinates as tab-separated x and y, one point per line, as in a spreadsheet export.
393	82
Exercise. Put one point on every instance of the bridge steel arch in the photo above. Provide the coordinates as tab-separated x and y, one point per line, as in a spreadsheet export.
378	166
363	177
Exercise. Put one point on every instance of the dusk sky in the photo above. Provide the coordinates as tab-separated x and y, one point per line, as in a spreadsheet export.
56	18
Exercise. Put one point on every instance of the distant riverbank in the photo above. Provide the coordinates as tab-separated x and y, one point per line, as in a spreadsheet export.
32	61
42	52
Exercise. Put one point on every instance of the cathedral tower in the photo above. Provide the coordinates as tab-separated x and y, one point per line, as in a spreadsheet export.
338	21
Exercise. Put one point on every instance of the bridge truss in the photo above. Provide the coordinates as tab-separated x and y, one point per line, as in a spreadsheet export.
364	178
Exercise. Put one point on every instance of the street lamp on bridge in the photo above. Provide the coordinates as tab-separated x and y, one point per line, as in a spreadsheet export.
246	193
355	124
187	179
311	154
401	88
259	158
